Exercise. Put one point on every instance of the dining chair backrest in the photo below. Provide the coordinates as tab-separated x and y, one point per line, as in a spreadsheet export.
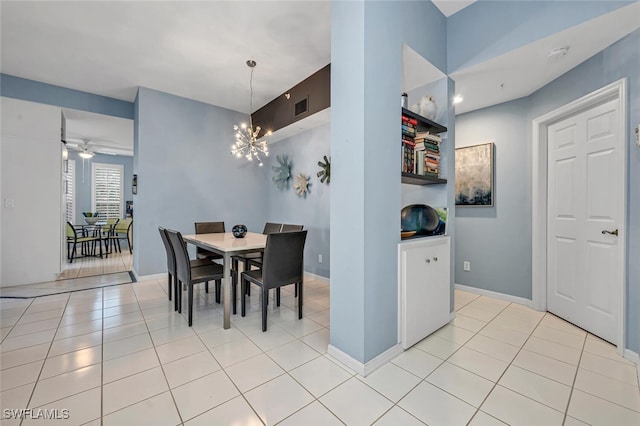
283	258
290	228
71	231
183	267
270	228
209	227
123	225
112	222
171	259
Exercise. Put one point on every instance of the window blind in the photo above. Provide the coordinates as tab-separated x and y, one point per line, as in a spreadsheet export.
69	178
107	180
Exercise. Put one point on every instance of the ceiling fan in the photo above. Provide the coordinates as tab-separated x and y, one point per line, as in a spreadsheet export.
83	148
88	147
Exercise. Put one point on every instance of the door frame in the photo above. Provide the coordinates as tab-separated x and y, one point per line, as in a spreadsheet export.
614	91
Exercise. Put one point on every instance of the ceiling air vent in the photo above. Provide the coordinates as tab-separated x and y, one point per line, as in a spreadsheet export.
301	107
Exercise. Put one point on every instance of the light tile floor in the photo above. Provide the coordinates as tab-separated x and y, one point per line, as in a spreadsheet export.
120	356
91	266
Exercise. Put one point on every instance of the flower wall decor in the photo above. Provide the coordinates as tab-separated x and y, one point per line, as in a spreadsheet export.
325	170
301	185
283	171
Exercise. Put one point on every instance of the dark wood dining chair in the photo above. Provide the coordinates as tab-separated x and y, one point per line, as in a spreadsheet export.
257	260
269	228
171	267
208	228
283	265
188	275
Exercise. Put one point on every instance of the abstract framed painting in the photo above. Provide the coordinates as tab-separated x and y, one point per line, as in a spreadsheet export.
474	175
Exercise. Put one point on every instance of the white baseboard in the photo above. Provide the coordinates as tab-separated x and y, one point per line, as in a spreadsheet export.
495	295
369	367
452	316
316	277
149	277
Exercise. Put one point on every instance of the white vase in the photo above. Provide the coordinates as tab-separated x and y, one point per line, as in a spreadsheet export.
428	107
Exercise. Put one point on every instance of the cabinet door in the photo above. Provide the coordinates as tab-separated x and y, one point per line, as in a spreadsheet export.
425	290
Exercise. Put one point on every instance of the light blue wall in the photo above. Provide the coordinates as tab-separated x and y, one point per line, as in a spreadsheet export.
497	240
35	91
83	189
366	64
620	60
487	29
187	174
304	150
513	170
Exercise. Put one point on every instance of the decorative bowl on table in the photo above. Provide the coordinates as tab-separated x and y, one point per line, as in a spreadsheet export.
91	220
239	231
407	234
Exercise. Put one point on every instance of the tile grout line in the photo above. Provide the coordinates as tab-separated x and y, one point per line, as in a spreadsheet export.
573	384
175	405
44	361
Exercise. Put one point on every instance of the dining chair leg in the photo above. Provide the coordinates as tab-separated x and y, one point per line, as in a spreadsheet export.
73	253
206	287
180	298
278	296
129	244
218	291
299	300
169	284
234	271
176	293
190	304
264	295
295	293
243	299
246	267
234	296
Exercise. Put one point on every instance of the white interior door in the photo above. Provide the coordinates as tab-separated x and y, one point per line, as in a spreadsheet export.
585	181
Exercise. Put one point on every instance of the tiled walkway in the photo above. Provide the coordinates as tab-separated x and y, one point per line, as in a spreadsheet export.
121	356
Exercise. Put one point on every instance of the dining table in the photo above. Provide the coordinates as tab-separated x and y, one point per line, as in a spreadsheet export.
227	245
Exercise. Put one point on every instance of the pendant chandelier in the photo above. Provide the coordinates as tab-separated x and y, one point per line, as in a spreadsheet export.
248	143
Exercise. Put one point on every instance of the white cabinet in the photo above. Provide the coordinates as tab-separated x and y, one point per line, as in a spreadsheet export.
424	286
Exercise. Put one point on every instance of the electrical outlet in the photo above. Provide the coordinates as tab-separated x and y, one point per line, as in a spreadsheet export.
9	203
319	258
467	265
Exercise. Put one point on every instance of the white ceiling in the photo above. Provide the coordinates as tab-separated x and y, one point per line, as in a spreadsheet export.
449	7
104	134
198	50
523	71
192	49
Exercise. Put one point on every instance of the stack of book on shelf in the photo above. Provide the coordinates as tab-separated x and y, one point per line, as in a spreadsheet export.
427	154
408	144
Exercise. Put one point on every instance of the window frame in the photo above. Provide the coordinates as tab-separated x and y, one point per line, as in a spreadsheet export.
120	169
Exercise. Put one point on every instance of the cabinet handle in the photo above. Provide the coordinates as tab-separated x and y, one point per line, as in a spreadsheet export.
428	260
435	259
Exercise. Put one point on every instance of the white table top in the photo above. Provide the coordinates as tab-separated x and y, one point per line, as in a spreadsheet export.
226	242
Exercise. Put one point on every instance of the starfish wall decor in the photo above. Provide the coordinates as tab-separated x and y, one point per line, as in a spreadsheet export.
283	171
301	185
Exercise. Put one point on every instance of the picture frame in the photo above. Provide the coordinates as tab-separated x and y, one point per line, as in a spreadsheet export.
474	171
134	184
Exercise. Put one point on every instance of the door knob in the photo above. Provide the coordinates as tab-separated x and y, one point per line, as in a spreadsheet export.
605	232
435	259
428	260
